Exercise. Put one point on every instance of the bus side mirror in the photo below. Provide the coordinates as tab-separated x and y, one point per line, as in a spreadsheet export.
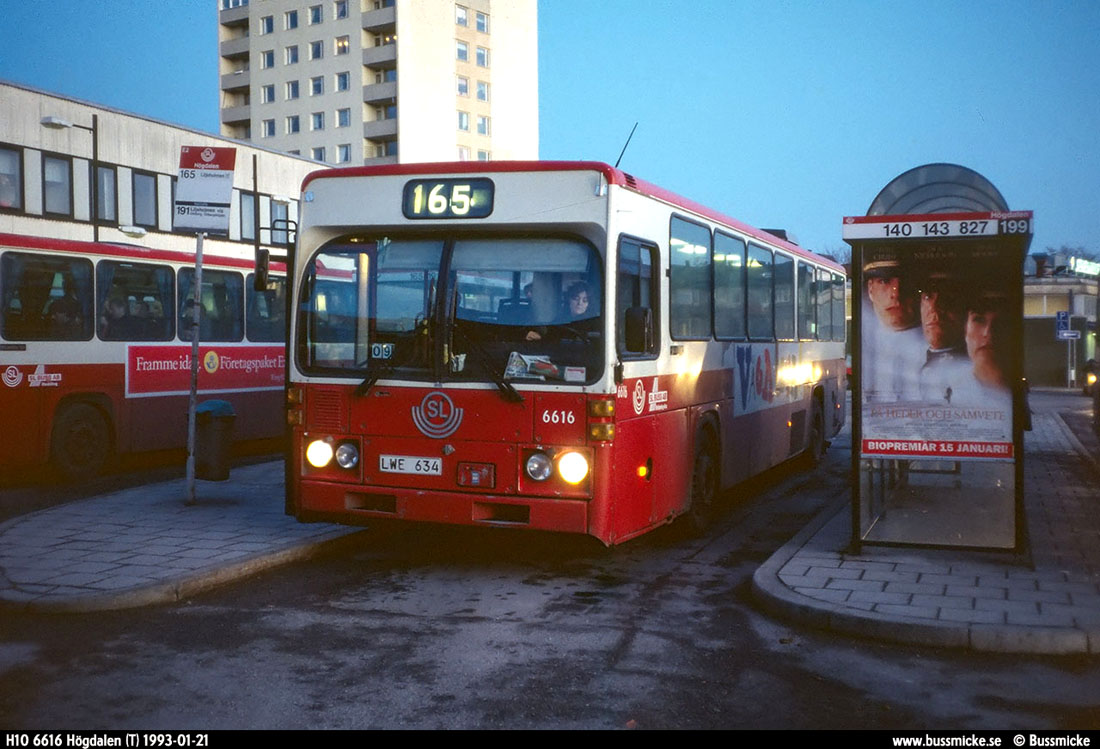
263	264
639	329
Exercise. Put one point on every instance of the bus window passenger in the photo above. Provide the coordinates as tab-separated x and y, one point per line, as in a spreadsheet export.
117	324
66	319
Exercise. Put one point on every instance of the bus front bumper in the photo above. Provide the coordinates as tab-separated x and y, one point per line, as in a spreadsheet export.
356	503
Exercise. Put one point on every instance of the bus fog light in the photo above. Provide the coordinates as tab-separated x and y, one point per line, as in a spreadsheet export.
347	455
573	467
319	453
539	467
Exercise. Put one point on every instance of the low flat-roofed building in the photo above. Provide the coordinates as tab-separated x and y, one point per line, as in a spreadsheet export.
59	155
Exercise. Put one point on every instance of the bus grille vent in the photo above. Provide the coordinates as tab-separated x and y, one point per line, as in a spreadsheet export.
630	181
328	412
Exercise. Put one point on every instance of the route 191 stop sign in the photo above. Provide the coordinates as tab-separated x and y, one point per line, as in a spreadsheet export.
204	189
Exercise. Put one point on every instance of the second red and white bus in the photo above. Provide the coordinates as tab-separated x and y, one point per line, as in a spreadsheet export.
95	351
547	345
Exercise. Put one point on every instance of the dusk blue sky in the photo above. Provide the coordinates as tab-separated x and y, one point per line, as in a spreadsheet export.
782	114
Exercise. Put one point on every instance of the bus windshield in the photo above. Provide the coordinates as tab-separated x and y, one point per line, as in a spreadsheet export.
487	310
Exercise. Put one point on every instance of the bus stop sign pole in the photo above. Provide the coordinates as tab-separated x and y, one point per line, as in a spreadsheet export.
203	193
193	399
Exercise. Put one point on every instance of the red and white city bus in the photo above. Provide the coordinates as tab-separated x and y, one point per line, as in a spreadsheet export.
95	350
548	345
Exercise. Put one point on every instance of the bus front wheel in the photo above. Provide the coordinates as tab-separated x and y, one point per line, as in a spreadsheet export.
80	442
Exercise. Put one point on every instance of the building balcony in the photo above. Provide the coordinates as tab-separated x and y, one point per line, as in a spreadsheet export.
234	47
240	131
375	20
234	16
380	129
234	115
380	92
379	56
236	80
379	160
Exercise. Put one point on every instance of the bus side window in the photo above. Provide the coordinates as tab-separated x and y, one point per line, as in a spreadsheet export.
824	293
222	315
729	286
840	325
636	292
135	301
759	272
690	286
266	318
807	308
46	298
784	297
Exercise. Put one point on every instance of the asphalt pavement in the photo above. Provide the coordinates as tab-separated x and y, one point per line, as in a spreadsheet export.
143	545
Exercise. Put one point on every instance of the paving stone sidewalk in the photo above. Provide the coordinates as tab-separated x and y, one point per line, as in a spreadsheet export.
1047	602
142	545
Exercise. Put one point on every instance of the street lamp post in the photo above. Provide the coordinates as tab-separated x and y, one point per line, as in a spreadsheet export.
58	123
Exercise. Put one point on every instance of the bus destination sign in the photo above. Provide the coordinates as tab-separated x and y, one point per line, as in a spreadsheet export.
938	225
448	198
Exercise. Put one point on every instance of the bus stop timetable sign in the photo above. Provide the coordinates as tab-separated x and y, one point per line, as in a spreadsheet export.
204	189
938	225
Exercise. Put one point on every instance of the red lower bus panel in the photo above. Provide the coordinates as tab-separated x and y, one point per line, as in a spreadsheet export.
346	502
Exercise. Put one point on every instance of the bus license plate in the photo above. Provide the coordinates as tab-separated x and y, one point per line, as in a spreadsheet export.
410	464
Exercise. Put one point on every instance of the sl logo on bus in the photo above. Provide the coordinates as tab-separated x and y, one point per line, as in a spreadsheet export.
436	416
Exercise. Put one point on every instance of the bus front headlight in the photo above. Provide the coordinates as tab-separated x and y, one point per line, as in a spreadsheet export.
319	453
347	455
539	467
572	467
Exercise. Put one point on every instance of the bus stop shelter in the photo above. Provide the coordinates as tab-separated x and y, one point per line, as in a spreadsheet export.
939	405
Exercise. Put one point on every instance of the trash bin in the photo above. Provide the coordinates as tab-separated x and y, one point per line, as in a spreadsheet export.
213	438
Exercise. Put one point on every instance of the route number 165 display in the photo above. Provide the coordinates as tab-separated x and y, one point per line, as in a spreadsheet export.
448	198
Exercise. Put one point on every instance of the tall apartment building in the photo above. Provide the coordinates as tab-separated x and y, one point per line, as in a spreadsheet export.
351	82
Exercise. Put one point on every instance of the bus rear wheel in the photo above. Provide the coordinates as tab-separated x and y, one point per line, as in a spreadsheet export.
704	486
81	442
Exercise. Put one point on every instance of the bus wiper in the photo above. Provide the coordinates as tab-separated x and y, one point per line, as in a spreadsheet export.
374	374
481	359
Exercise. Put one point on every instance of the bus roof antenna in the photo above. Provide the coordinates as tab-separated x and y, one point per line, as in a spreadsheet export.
625	145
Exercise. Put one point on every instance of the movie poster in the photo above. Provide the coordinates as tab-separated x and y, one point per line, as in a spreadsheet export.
939	337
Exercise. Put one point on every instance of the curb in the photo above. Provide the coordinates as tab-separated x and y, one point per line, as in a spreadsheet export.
1072	439
177	590
775	598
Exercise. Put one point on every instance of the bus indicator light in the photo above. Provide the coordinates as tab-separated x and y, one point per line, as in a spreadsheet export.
601	407
602	431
